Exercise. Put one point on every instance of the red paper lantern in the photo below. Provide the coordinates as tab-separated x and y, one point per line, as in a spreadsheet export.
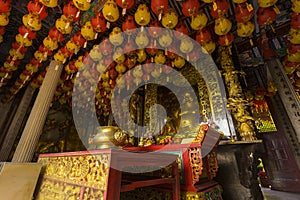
154	29
105	47
243	12
203	36
10	59
78	39
56	35
34	61
226	40
98	22
190	7
71	12
5	6
265	16
129	25
125	4
112	73
108	61
2	30
44	50
66	52
22	49
182	29
152	48
159	7
194	55
27	33
293	48
172	54
295	21
37	8
129	47
219	8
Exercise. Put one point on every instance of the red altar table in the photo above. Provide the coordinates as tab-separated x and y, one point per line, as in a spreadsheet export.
90	175
196	172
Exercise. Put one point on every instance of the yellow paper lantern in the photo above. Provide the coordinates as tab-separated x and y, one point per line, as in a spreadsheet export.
160	57
296	6
17	54
245	29
50	43
119	56
116	36
266	3
141	55
63	25
31	68
4	20
295	36
60	57
178	62
209	47
40	56
72	47
95	54
32	22
82	4
169	19
110	11
165	39
186	45
10	67
88	32
295	57
142	15
199	21
49	3
23	41
222	26
121	68
239	1
142	40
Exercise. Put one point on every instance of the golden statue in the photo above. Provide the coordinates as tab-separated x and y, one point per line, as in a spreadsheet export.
244	121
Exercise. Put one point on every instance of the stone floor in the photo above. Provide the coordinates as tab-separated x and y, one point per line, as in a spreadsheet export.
278	195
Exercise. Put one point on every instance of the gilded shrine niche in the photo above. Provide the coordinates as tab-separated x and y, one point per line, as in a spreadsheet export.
181	119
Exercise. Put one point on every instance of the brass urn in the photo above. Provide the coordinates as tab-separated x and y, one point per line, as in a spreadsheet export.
108	137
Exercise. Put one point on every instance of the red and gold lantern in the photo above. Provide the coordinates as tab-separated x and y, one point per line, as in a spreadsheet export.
226	40
219	8
190	7
265	16
98	22
243	12
37	9
159	7
129	25
71	12
5	6
125	4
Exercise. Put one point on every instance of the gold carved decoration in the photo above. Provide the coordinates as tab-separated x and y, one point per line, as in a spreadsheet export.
150	99
195	163
86	170
237	104
212	164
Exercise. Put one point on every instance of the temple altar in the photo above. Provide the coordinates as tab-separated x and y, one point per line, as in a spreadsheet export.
174	171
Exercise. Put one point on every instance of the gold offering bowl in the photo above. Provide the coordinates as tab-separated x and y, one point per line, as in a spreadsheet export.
109	136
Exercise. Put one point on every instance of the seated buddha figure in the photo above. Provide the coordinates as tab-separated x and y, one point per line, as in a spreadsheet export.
188	115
